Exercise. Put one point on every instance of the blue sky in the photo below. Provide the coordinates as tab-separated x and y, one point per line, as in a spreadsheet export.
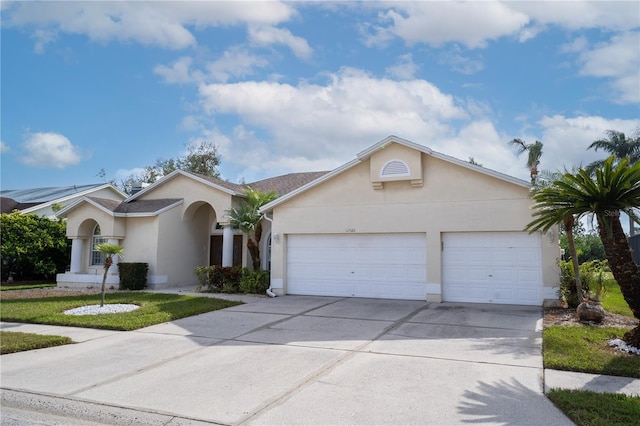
285	87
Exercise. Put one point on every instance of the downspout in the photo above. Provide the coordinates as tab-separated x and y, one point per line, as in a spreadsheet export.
270	293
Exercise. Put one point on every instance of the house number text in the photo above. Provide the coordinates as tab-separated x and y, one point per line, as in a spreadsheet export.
350	230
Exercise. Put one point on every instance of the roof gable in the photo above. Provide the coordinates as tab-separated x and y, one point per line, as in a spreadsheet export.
366	155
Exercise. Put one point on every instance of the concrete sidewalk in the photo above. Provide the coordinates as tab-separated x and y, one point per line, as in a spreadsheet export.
298	360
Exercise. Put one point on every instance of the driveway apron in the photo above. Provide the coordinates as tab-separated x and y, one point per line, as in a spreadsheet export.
309	360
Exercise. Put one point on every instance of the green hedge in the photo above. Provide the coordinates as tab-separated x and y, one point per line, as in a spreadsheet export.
218	279
133	275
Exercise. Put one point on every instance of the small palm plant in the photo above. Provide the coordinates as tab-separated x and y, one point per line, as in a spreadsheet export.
109	250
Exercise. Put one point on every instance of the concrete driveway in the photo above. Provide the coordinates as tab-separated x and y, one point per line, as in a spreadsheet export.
298	360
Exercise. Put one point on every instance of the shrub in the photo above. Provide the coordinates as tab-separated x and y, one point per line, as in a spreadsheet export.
133	275
218	279
255	282
591	276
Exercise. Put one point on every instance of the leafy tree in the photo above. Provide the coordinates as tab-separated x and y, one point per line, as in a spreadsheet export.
588	246
33	246
248	218
534	151
200	158
607	192
109	250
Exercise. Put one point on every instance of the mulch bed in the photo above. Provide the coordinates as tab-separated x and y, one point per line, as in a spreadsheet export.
566	316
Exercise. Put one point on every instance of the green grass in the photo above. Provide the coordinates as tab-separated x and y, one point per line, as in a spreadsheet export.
613	302
585	349
587	408
155	308
9	287
11	341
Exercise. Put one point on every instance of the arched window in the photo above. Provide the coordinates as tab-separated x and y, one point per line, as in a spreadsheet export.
97	258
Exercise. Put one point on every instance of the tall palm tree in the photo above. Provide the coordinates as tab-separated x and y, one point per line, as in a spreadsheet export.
607	192
622	147
534	151
248	218
109	250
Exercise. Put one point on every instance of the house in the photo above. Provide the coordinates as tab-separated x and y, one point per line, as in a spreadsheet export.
175	225
44	201
399	221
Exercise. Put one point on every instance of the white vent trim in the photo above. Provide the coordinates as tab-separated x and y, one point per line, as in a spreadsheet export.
395	168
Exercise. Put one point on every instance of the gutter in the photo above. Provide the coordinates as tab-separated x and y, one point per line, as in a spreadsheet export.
270	293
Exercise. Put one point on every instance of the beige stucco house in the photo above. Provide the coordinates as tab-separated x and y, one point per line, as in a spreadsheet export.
399	221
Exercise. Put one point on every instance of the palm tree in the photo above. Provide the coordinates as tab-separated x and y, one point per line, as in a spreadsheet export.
607	192
109	250
248	218
622	147
533	159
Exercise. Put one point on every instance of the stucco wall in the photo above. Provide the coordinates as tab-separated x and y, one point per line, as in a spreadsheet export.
452	198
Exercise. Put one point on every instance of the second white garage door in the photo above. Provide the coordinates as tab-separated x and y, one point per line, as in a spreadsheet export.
389	266
492	267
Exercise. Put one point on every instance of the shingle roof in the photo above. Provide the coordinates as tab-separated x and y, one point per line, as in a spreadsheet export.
135	206
223	183
284	184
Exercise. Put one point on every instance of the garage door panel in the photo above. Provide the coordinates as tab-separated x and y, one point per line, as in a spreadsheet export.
361	265
484	267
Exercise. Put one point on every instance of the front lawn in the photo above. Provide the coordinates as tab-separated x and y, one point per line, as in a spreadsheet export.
597	409
13	341
613	302
155	308
585	349
9	287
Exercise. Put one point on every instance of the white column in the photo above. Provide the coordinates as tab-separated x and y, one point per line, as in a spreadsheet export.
113	270
77	246
227	245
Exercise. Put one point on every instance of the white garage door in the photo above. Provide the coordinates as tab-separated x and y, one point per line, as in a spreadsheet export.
492	267
389	266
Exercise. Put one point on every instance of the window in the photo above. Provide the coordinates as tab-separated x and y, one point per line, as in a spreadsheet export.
97	258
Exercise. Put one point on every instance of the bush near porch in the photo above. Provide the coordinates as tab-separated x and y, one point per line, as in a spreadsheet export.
219	279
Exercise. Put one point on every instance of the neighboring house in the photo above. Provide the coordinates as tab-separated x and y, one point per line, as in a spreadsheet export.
41	201
400	221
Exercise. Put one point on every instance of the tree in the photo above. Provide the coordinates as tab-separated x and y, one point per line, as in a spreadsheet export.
534	151
109	250
248	218
605	193
33	246
622	147
200	158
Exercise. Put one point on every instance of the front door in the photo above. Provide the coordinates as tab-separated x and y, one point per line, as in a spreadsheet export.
215	254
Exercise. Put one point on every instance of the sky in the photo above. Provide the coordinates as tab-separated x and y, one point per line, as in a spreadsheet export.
284	87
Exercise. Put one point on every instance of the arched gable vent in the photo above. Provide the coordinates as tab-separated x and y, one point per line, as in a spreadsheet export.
395	168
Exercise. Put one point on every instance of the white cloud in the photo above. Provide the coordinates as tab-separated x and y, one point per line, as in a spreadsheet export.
472	24
619	60
49	150
4	147
267	35
573	15
327	124
404	69
164	24
235	62
42	37
566	138
179	72
579	44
